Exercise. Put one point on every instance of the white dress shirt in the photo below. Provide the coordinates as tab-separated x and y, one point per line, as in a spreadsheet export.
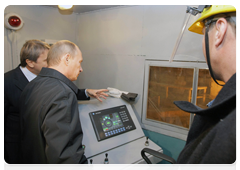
28	74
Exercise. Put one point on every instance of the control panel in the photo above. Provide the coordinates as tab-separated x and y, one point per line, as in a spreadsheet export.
112	133
111	122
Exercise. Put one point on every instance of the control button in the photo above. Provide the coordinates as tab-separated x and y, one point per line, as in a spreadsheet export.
106	134
146	143
106	159
91	165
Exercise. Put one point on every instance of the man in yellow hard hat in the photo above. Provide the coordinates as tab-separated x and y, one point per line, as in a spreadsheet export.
212	136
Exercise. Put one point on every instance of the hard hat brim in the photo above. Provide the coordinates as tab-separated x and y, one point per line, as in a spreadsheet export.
198	25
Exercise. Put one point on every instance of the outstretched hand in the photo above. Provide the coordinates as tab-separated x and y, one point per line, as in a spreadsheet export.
97	93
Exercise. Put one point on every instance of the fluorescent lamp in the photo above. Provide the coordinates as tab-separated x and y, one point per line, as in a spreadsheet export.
65	7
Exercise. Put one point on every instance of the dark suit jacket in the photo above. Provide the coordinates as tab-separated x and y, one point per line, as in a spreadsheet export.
50	128
14	83
212	136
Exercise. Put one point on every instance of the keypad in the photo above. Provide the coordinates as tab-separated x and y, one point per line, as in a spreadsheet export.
116	131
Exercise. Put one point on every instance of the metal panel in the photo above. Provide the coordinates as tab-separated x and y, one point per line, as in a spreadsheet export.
111	32
93	147
122	149
128	153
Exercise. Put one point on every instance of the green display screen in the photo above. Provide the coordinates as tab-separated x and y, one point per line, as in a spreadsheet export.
110	122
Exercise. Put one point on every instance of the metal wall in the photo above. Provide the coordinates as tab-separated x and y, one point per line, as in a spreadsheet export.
39	23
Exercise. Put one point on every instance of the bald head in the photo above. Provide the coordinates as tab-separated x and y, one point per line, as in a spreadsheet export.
65	57
60	49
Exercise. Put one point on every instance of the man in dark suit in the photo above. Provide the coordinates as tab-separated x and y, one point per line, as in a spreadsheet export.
33	57
50	128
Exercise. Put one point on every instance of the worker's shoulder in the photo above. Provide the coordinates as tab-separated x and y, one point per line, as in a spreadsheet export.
9	73
51	83
231	120
14	77
8	76
225	128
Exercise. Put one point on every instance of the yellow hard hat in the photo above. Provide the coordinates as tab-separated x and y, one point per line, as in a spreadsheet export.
198	25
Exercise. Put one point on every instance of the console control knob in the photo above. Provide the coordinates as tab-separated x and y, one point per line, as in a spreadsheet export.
91	165
146	143
106	159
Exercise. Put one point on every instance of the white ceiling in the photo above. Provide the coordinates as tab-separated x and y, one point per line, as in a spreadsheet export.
87	8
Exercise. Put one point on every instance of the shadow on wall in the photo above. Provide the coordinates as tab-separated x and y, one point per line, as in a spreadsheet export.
99	71
133	104
171	146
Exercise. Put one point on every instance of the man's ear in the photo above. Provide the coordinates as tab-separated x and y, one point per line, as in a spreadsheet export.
66	59
221	29
30	63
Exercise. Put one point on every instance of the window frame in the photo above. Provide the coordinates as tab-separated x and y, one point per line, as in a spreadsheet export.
162	127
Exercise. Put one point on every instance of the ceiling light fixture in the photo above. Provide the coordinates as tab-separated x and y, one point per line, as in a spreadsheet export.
65	7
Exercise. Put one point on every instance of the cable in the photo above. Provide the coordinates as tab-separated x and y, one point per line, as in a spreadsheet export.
208	54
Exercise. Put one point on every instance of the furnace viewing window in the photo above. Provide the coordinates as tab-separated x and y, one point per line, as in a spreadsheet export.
166	85
111	122
179	81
